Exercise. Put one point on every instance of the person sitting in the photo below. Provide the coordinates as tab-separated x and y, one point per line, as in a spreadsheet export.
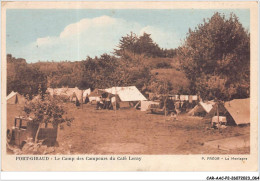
107	103
77	103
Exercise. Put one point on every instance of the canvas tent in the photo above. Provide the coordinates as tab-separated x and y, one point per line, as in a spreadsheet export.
15	98
86	93
202	108
127	94
237	111
72	94
76	95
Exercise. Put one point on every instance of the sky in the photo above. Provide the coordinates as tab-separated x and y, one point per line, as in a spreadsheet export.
70	34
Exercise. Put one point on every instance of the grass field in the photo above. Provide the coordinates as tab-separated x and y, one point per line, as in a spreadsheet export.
130	131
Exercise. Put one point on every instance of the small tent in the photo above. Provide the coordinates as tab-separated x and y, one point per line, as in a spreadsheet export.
237	111
75	94
74	97
15	98
201	109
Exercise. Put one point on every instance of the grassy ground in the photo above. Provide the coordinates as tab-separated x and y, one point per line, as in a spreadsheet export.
130	131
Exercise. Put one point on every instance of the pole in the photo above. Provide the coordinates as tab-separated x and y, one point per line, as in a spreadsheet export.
218	116
81	99
165	100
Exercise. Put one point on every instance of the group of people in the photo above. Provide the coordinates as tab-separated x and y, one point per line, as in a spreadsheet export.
107	102
104	103
183	106
176	106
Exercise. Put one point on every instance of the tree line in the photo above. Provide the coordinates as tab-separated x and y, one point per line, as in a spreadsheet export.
215	57
125	67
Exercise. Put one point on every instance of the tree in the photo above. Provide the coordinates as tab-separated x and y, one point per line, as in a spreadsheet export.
160	87
216	58
138	45
24	78
46	110
127	43
145	45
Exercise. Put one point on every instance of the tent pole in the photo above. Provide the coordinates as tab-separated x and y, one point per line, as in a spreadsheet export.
137	104
82	99
116	101
165	100
218	116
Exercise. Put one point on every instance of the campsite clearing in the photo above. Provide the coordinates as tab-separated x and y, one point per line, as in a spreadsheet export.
131	131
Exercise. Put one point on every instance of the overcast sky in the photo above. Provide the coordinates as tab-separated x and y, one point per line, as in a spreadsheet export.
75	34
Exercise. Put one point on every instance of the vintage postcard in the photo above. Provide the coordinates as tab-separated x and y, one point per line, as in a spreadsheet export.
129	86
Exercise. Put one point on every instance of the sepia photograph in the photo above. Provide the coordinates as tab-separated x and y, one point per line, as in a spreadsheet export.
127	81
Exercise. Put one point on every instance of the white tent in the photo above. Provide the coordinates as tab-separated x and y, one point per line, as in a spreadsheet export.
207	106
86	93
15	98
75	92
127	94
202	108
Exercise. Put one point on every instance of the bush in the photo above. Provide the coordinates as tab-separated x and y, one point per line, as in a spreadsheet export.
163	65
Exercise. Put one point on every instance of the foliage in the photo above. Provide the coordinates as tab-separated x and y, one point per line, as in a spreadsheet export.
213	54
163	65
160	86
108	71
139	45
24	78
46	110
130	65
